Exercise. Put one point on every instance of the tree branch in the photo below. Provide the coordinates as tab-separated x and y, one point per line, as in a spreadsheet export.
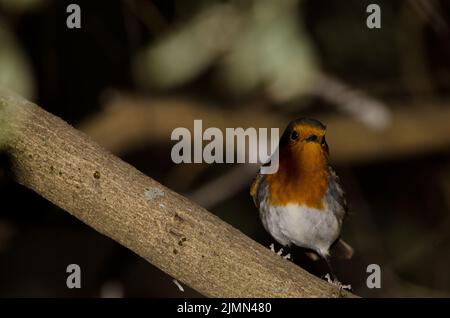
169	231
141	121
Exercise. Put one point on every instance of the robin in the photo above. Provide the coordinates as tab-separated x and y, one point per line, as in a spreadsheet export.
303	202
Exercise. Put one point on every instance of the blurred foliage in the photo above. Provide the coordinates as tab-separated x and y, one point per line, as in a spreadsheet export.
259	45
186	52
272	51
344	40
16	73
21	6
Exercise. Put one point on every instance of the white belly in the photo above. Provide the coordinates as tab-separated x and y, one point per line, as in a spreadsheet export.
302	226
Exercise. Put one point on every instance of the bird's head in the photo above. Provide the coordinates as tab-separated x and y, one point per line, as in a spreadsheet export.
302	177
304	138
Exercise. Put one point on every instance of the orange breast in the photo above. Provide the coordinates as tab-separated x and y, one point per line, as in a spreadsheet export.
302	178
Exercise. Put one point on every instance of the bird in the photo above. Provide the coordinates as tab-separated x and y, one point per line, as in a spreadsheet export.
303	202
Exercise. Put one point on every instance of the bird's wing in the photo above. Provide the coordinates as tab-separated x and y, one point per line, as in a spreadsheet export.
336	191
339	249
254	189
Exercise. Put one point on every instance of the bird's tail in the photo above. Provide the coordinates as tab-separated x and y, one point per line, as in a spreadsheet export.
341	250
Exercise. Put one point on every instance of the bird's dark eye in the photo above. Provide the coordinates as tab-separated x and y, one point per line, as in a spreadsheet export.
312	138
294	135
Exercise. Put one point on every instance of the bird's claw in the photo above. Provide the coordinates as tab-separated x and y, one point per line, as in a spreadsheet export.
272	247
280	252
337	283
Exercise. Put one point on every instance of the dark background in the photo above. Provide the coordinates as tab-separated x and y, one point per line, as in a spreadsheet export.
399	203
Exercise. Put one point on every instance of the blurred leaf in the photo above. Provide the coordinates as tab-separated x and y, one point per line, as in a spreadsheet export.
15	71
186	52
273	51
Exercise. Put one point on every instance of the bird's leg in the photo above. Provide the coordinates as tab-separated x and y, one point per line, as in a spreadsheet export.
280	252
332	278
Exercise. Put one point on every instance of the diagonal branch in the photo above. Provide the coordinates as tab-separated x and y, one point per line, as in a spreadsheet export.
179	237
